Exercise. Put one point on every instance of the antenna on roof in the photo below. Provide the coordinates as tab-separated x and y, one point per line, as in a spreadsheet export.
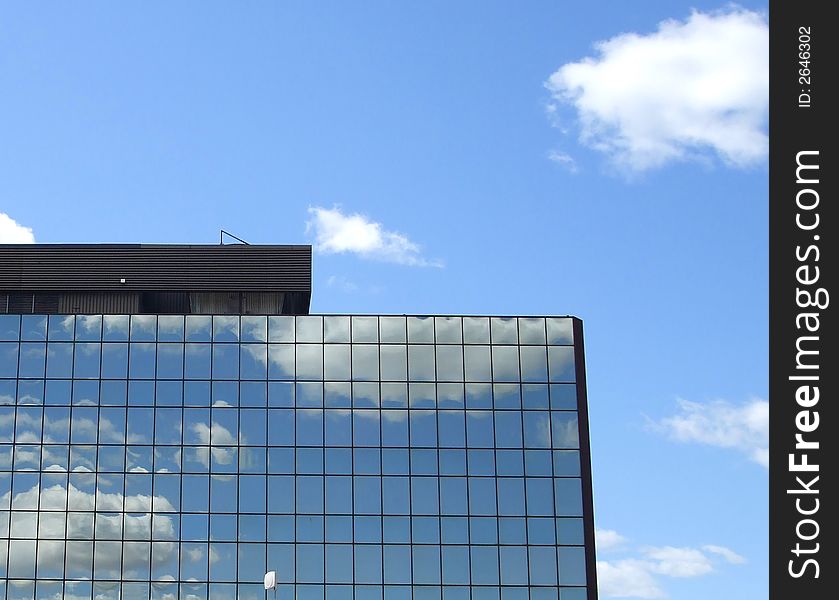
223	233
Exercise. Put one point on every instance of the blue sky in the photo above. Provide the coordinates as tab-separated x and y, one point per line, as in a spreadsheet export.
479	158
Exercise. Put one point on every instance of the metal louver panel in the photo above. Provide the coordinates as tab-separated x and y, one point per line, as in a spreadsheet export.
45	304
99	303
262	303
21	302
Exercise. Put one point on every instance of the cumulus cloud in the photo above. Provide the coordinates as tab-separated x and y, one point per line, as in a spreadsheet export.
744	428
639	574
338	233
11	232
675	94
628	578
608	539
678	562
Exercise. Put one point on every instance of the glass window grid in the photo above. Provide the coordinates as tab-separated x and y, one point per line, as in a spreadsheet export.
59	332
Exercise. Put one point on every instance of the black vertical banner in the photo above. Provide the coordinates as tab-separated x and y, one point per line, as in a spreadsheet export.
802	330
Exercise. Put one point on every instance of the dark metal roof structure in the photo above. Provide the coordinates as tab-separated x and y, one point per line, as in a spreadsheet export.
102	267
126	269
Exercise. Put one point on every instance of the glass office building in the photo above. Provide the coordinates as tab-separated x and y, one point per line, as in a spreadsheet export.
360	457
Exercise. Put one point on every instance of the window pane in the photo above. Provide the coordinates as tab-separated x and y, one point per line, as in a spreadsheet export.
142	357
365	362
453	497
537	429
59	360
309	361
477	365
197	361
426	564
504	331
309	329
452	428
114	361
366	427
560	331
565	430
339	560
394	363
484	565
482	496
421	363
338	427
365	330
397	564
336	362
336	329
170	328
449	363
420	330
561	363
505	363
309	426
252	426
542	560
566	463
539	497
479	433
86	360
513	565
394	428
534	366
170	360
531	331
367	495
225	361
424	496
423	428
508	428
9	328
511	496
568	497
456	565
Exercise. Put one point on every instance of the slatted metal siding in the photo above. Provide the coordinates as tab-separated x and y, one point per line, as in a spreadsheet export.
29	302
262	303
106	303
100	267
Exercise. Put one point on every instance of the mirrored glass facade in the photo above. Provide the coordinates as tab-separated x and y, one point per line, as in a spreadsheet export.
361	457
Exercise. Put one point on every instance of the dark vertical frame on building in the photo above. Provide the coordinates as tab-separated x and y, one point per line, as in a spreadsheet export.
585	459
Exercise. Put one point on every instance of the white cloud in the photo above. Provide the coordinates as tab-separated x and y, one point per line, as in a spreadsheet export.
678	93
728	554
722	424
627	578
608	539
678	562
638	575
12	232
564	160
341	283
338	233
